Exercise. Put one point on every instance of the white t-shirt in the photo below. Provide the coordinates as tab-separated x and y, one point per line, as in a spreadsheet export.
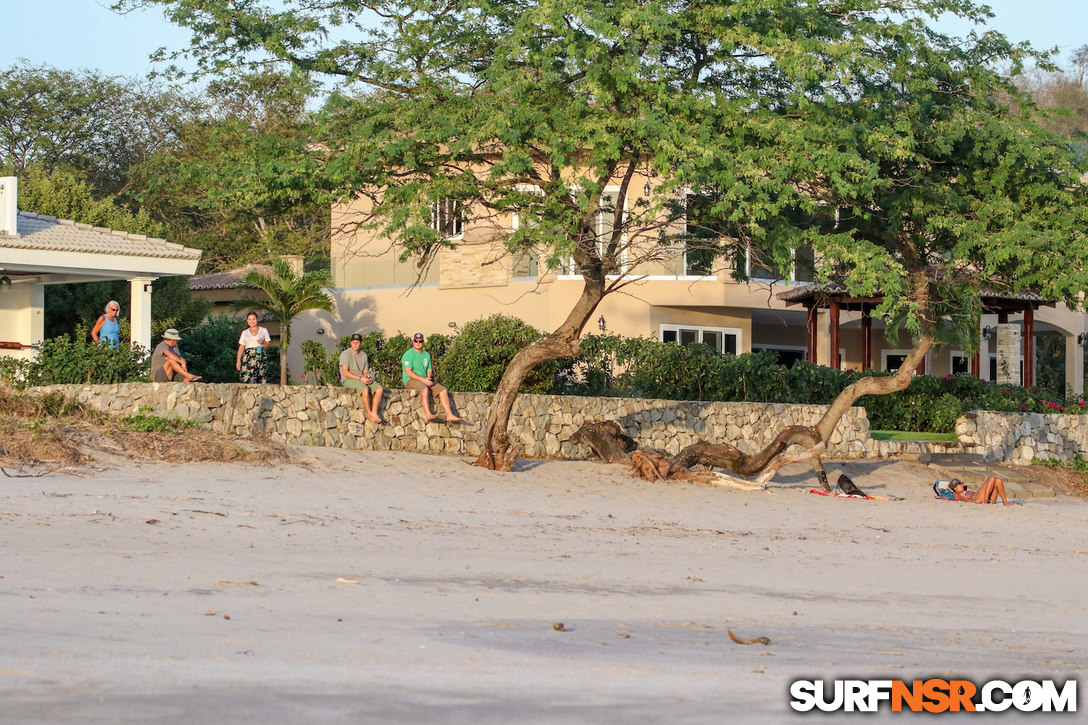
250	340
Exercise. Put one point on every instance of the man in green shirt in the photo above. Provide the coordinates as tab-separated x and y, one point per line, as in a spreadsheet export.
417	373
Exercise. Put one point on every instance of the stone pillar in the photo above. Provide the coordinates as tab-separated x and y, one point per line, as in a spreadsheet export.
1008	353
1074	364
140	302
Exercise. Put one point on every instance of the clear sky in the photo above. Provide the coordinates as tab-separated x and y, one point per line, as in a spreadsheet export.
75	34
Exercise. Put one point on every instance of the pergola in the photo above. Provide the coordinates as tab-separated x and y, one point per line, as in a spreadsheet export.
835	299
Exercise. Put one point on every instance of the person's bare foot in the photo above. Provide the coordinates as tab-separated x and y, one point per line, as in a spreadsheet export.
453	419
193	378
374	418
432	416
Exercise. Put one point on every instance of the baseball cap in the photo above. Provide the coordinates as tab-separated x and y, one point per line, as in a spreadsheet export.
357	336
171	334
953	483
417	336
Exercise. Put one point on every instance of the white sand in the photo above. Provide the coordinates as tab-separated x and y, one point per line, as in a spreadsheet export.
377	587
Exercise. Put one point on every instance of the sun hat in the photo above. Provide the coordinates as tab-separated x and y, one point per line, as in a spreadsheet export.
171	334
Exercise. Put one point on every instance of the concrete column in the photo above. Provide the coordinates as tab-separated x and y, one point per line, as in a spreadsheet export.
37	313
1074	364
1008	353
140	302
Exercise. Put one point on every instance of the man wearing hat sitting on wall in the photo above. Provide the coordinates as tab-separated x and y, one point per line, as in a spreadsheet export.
355	373
166	360
418	375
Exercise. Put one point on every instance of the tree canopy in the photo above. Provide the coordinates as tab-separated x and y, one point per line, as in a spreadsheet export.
899	154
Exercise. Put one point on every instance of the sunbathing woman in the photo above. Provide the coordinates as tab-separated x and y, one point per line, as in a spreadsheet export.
990	491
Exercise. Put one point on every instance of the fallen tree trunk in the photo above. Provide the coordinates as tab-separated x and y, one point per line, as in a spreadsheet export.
607	440
611	444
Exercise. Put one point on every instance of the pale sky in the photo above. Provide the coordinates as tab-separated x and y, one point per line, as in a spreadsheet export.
75	34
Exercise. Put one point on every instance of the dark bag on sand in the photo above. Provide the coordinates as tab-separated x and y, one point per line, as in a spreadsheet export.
848	486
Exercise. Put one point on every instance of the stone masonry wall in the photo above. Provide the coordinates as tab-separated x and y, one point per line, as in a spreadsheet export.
541	425
1020	437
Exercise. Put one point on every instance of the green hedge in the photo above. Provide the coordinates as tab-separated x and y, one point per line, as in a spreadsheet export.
607	365
75	359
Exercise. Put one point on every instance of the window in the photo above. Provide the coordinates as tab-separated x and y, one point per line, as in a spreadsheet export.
525	263
447	217
759	266
892	360
787	354
725	340
959	363
605	225
699	256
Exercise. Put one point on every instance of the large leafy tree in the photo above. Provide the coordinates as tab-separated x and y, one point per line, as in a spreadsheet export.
287	294
239	181
83	121
844	124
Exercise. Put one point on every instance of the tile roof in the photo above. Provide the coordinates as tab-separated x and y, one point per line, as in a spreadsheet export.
227	280
817	290
42	232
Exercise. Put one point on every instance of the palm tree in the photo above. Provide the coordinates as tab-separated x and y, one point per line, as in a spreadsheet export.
289	294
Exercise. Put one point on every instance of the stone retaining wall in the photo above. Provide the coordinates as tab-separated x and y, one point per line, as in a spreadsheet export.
1020	437
541	425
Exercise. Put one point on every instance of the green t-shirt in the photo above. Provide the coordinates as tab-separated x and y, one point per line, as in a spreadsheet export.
419	362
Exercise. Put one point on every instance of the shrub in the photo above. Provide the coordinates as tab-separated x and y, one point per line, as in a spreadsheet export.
319	366
75	359
478	356
211	350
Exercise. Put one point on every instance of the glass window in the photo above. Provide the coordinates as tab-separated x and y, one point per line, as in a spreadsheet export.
447	217
725	340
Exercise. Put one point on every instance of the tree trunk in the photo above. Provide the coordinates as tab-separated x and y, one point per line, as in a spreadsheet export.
285	334
765	463
607	440
497	454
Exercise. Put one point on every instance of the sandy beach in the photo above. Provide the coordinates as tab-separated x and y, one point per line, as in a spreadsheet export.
353	587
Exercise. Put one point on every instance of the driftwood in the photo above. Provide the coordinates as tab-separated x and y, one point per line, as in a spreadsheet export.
608	441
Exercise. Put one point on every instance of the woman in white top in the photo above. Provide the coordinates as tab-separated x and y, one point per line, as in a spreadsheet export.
252	362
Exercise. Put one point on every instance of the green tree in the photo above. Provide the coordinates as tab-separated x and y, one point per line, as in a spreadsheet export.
780	123
84	121
287	295
239	180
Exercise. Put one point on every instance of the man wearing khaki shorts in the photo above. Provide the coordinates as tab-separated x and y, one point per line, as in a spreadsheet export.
355	373
417	374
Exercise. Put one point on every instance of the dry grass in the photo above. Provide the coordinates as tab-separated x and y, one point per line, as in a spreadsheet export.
49	433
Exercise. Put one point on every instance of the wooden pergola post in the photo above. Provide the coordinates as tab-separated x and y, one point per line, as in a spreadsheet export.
812	357
1029	347
866	339
835	306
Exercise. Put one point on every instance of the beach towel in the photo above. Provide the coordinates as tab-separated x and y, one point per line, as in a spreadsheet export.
836	494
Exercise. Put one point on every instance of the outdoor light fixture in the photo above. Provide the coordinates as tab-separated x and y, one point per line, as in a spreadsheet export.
5	281
601	323
453	325
1082	339
646	189
321	331
987	332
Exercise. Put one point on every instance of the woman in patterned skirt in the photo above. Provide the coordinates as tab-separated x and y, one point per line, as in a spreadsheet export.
252	362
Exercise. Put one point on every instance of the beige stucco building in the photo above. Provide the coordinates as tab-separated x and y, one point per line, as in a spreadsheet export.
673	300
